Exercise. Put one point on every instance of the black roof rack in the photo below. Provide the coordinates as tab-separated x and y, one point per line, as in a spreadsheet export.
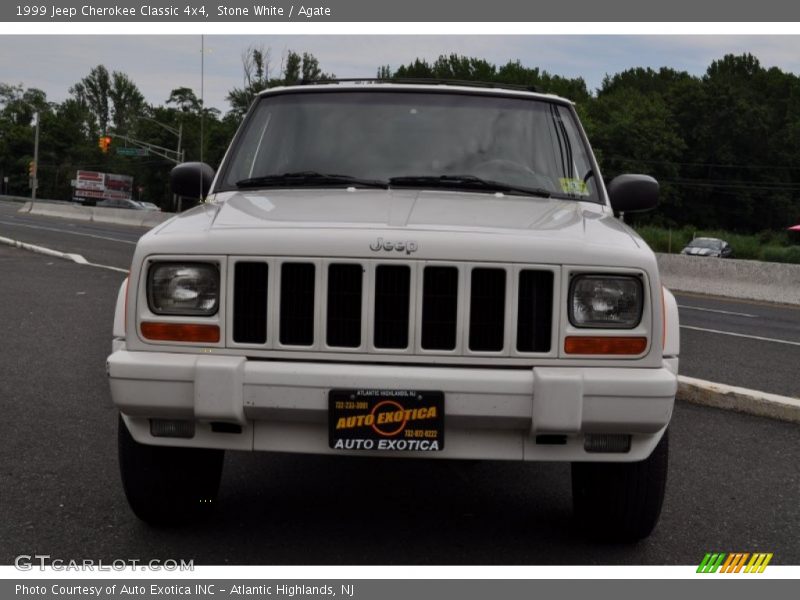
426	81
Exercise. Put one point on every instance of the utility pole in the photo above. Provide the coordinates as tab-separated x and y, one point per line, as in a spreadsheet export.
35	177
175	198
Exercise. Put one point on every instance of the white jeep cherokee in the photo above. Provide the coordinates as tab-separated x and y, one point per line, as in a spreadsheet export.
416	270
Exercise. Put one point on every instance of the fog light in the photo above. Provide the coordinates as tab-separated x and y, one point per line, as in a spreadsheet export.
607	442
171	428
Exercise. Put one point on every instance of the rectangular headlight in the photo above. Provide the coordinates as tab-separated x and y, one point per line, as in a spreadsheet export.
190	289
606	301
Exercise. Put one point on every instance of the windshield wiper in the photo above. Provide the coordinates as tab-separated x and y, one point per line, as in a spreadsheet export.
308	178
470	182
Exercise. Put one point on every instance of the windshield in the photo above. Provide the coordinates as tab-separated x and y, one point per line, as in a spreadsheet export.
410	139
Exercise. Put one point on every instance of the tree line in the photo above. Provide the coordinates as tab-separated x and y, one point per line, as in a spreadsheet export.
725	145
107	103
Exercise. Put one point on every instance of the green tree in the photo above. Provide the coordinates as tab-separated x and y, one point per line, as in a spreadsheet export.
257	71
18	107
635	132
127	101
464	68
94	92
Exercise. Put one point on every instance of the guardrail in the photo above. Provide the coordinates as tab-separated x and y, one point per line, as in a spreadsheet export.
117	216
731	278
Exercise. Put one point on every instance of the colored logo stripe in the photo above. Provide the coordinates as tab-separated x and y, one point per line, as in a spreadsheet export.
711	563
734	562
758	563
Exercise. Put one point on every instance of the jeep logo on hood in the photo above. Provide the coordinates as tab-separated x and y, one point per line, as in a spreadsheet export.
407	246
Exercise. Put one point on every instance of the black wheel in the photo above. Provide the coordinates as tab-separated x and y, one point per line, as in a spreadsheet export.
620	501
167	486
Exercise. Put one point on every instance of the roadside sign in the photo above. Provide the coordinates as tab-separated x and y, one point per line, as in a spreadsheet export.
93	184
132	151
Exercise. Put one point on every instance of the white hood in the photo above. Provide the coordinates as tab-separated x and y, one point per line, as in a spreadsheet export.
443	225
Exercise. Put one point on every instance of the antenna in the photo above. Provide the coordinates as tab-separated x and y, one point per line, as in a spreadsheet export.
202	91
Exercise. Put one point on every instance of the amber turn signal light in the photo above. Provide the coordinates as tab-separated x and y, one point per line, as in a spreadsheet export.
604	345
180	332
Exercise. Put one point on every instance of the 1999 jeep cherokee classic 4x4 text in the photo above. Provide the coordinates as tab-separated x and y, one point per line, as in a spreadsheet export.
390	269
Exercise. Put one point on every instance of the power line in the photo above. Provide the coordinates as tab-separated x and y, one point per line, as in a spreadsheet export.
699	164
731	186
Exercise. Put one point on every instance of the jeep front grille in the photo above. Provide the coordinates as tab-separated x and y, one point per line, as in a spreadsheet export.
392	293
344	305
250	302
403	307
535	306
439	308
297	304
487	310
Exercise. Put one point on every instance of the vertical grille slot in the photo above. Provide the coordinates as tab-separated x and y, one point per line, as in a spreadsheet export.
535	311
344	305
439	308
297	304
392	290
250	287
487	313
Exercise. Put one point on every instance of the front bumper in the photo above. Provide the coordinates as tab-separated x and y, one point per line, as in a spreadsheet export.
489	413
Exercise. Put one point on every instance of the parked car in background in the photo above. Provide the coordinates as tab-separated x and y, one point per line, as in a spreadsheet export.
121	203
704	246
148	205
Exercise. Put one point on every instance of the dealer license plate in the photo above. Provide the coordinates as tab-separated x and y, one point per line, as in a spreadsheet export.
393	420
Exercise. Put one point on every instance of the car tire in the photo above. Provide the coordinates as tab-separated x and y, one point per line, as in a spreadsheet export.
620	501
165	485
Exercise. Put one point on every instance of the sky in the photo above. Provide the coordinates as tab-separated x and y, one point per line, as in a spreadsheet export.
160	63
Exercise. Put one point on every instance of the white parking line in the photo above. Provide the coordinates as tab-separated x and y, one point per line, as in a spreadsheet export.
741	335
722	312
89	235
76	258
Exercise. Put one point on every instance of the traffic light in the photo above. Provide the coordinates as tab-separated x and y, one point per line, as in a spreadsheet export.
103	142
32	169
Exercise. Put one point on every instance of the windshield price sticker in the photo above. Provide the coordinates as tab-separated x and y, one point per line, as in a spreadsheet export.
386	420
577	187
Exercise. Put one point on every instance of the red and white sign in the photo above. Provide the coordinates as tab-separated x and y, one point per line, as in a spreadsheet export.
103	186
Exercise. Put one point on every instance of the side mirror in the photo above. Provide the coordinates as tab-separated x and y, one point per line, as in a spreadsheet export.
633	193
191	180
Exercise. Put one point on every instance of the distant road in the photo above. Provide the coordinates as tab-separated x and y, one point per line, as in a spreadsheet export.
747	344
99	243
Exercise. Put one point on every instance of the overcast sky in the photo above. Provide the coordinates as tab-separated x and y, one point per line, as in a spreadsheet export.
158	64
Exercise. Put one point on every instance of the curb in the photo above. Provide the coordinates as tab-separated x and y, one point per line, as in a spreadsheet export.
752	402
